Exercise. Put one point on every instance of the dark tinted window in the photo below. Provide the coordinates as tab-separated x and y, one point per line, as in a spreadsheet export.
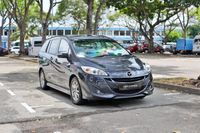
60	32
116	33
44	47
54	32
64	47
37	43
67	32
128	33
122	33
54	46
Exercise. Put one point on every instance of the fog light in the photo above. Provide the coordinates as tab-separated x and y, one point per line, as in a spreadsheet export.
91	79
99	92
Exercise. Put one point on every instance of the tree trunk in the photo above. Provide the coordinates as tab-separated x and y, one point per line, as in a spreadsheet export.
22	36
151	43
44	32
1	31
97	16
9	31
89	16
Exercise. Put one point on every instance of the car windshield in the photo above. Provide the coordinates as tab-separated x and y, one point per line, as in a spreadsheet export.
98	48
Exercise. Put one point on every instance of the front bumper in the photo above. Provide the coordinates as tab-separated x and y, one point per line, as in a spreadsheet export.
97	87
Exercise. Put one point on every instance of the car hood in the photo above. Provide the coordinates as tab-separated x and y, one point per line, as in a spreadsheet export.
117	66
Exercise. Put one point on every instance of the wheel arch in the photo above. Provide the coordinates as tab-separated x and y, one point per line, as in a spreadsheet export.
71	77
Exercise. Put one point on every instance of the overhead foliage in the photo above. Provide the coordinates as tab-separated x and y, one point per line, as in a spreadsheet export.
150	13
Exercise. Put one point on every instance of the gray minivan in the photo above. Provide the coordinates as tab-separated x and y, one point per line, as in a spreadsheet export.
92	67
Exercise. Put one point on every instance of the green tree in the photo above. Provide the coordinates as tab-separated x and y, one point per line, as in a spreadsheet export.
86	13
19	10
150	13
193	30
173	36
75	9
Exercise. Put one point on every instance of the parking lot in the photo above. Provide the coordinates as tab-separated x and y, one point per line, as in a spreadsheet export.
27	108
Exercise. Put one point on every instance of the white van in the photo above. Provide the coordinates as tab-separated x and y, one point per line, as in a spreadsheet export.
196	44
36	45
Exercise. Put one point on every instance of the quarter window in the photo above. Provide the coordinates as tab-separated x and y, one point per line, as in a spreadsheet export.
64	47
44	47
54	46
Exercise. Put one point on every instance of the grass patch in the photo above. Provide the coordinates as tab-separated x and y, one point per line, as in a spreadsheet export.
177	81
194	83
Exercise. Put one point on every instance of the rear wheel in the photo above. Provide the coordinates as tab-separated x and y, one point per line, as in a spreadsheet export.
146	51
75	90
42	79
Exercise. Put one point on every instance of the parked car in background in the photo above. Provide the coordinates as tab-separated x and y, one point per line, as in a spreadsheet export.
169	47
15	49
196	45
133	48
3	51
144	47
15	46
92	67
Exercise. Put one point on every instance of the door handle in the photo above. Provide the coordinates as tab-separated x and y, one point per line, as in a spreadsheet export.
56	60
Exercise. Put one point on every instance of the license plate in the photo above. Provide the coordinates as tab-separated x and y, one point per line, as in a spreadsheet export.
130	87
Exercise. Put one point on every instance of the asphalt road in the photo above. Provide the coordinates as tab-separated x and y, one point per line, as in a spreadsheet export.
26	108
173	65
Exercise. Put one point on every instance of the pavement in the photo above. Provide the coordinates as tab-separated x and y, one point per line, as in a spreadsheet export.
169	66
24	107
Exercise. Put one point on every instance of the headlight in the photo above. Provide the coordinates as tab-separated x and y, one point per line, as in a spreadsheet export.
93	71
147	67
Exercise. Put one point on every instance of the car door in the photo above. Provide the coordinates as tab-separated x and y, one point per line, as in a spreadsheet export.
52	55
63	64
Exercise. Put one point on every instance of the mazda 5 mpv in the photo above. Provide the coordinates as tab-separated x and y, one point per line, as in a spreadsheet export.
92	67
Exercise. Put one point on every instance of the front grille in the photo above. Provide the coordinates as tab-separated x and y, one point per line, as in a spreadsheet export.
116	84
127	79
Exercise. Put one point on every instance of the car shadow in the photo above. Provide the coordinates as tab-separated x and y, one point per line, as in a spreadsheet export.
116	103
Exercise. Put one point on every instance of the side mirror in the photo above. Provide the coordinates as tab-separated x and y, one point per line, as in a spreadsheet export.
63	55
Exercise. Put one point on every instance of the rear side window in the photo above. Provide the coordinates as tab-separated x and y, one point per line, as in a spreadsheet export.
54	46
44	47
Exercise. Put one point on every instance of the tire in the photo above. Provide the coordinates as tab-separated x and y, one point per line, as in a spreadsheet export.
42	79
162	52
75	91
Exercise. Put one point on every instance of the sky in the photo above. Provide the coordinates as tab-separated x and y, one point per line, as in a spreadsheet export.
46	5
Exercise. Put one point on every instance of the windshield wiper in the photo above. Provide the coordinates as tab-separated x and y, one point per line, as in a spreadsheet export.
102	55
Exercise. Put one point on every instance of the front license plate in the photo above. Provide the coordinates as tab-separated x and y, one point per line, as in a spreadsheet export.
130	87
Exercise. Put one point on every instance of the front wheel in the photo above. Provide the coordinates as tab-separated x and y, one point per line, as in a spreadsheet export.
75	90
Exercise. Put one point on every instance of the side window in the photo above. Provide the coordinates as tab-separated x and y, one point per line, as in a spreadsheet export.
44	47
54	46
64	47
